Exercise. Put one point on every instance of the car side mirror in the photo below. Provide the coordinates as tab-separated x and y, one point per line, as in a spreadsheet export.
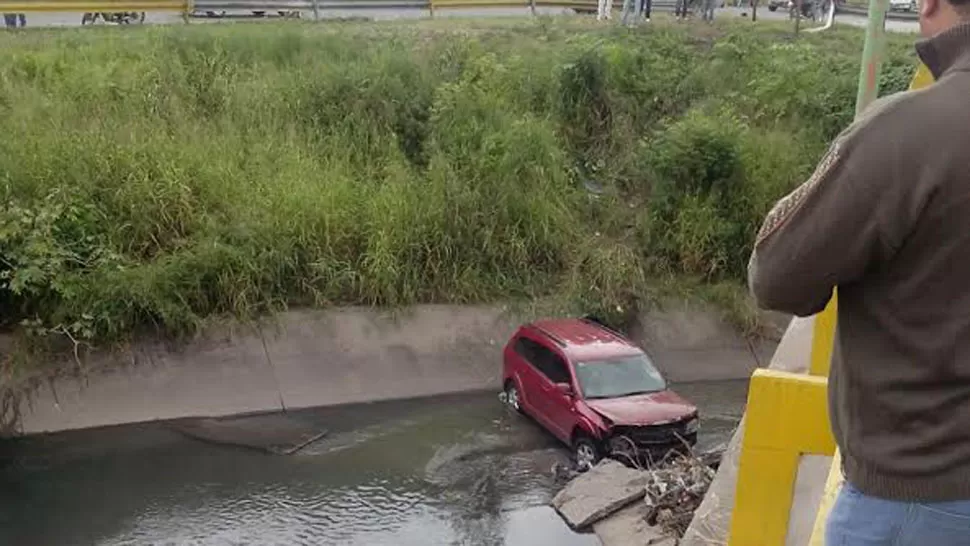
565	388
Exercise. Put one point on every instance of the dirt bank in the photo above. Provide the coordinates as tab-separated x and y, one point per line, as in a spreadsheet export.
319	358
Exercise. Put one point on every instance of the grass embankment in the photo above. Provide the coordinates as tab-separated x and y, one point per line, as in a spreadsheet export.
155	177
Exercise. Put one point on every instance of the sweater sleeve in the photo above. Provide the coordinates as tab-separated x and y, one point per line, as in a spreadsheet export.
829	230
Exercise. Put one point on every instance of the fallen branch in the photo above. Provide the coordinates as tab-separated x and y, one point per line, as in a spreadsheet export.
675	490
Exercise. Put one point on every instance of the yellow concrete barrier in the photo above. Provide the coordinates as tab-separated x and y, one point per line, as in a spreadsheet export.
823	338
93	6
786	418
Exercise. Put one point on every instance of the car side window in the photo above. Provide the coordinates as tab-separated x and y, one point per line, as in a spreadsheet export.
554	367
546	361
526	348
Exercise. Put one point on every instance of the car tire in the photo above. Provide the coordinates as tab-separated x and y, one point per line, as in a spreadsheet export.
772	8
512	397
585	453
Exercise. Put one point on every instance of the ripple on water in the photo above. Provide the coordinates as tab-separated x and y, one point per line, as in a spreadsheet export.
371	513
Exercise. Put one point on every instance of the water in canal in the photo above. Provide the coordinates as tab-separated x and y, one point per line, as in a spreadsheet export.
456	470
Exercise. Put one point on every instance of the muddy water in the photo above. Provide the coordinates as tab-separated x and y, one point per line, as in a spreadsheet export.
456	470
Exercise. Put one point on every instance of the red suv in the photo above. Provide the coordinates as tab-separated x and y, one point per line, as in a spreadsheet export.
595	390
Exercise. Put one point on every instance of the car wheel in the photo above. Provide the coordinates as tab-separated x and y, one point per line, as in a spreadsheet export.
772	8
512	396
585	453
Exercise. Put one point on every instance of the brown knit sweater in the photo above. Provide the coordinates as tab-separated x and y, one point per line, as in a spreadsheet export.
886	219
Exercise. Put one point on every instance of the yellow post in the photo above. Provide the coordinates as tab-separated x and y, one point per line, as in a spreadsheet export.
786	417
823	337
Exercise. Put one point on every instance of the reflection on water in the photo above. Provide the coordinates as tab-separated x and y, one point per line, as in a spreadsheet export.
448	471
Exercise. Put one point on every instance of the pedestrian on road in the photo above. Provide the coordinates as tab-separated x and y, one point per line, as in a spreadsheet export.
628	10
11	20
707	7
886	219
680	9
635	9
604	9
645	6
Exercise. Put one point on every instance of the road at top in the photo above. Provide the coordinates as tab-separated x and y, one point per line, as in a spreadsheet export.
458	470
74	19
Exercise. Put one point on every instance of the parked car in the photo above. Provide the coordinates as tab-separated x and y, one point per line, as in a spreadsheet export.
596	391
902	5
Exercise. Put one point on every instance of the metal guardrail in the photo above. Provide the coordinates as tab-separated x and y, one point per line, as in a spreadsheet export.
315	6
863	12
92	6
306	5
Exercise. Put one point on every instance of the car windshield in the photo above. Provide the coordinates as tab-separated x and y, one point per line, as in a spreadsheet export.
617	377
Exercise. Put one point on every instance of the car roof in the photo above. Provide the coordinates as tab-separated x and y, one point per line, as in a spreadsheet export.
584	338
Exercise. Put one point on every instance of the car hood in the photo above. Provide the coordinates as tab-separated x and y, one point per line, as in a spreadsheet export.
654	408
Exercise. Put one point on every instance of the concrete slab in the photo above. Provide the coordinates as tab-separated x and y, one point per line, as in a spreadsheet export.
361	355
279	433
628	527
222	373
598	493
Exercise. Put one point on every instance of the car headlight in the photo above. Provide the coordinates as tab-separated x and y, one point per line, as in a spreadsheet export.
692	426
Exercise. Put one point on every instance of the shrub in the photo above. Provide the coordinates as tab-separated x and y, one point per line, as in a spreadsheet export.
153	179
698	196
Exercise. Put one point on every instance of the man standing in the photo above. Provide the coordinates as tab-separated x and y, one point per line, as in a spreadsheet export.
708	10
680	9
11	20
886	219
645	9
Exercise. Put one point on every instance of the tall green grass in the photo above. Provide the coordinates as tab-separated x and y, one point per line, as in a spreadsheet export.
154	178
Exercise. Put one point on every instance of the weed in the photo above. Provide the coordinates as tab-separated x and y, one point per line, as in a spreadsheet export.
154	179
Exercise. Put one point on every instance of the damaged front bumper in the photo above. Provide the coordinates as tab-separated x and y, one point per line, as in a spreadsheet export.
650	444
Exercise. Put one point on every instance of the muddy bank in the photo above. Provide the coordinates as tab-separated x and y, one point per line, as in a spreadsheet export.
340	356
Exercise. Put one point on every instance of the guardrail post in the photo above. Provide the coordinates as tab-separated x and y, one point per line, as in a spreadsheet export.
532	7
316	10
785	418
187	12
431	8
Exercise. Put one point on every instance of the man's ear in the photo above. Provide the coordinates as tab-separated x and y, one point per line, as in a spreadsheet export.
928	8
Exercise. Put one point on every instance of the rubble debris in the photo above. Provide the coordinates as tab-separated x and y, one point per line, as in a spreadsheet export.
675	490
628	527
604	489
606	497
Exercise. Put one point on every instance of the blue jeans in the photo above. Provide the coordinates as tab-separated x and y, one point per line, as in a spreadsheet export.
860	520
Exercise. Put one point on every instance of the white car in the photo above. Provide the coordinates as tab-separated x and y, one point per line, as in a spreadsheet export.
902	5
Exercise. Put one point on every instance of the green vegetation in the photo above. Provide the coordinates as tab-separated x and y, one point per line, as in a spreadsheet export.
158	177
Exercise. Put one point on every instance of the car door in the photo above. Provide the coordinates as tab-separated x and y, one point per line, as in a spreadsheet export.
557	406
529	377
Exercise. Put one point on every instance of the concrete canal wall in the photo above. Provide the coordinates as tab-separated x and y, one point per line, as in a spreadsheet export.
339	356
